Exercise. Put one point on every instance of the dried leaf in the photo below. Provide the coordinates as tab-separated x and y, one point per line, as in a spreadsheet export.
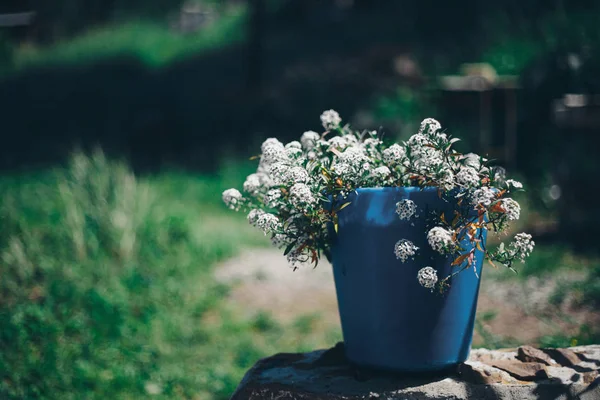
344	205
459	260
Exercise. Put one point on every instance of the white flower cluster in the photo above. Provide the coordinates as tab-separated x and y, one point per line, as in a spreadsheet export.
468	177
427	277
330	119
309	139
406	209
440	240
405	249
287	196
301	196
483	196
394	155
512	209
232	198
522	246
515	184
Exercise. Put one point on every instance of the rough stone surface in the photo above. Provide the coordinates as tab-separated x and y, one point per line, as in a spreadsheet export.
326	375
531	354
564	357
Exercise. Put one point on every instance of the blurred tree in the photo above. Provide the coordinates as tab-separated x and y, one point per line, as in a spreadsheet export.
256	43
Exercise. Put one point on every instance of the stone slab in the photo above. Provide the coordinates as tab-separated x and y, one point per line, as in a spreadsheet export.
326	375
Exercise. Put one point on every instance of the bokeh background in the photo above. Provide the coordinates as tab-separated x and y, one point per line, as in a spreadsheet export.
121	121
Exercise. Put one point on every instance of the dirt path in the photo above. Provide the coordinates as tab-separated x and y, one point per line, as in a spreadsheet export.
509	311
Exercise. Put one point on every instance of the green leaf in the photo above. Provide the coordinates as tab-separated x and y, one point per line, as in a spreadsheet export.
289	248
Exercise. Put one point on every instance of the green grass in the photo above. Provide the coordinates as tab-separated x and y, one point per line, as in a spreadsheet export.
107	287
155	44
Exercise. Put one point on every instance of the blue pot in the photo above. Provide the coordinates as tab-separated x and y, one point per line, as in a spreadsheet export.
389	321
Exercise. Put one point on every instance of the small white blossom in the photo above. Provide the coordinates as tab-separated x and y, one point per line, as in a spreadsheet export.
405	249
472	160
512	209
440	240
267	223
468	177
483	196
342	170
254	215
394	154
381	172
272	197
301	197
429	126
330	119
280	240
252	184
309	139
297	174
293	150
272	151
446	179
427	277
338	142
515	184
279	173
232	198
522	246
406	209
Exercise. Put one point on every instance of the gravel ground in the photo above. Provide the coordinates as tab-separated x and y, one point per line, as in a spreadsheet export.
262	281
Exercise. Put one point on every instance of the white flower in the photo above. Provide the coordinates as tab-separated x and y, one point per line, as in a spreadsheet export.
254	215
522	246
406	209
338	142
342	170
278	173
429	126
354	156
371	146
272	197
267	223
272	151
405	249
381	172
280	240
515	184
309	139
467	176
440	240
293	150
512	209
394	154
294	145
301	197
232	198
472	160
330	119
252	184
483	196
427	277
446	179
297	174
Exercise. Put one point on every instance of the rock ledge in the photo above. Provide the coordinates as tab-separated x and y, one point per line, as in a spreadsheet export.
524	373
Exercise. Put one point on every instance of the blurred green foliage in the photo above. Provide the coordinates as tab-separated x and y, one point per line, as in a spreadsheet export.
155	44
107	288
511	45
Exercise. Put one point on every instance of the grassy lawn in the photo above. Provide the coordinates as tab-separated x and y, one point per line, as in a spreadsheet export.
108	292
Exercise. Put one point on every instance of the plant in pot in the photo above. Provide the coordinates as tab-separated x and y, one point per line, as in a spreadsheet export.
405	227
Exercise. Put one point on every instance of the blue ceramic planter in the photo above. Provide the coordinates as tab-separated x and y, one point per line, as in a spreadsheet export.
388	320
